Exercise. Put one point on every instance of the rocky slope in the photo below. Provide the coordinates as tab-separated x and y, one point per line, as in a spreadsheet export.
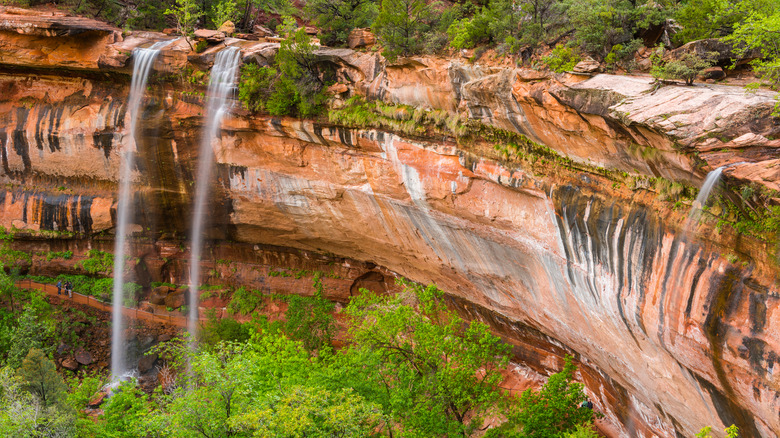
674	330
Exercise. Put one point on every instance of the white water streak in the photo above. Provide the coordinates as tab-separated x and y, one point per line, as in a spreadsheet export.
701	200
221	86
143	59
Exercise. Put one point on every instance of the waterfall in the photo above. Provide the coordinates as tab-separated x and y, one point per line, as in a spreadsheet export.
221	85
701	200
143	59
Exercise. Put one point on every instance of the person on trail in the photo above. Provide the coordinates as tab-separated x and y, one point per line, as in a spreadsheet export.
587	404
69	288
59	287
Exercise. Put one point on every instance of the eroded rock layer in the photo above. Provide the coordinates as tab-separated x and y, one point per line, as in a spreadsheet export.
672	333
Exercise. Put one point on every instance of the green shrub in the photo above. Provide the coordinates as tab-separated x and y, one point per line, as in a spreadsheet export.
310	321
687	67
336	18
98	262
293	86
561	59
245	301
66	255
622	55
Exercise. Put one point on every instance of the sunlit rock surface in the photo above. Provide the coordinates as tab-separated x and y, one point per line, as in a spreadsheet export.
671	335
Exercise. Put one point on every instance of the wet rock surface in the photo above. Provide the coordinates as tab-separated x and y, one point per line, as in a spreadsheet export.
671	333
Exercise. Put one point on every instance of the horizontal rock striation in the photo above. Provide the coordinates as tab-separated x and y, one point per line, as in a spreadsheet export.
672	331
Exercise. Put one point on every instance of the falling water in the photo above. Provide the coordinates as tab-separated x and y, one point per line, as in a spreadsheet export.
701	200
221	85
143	59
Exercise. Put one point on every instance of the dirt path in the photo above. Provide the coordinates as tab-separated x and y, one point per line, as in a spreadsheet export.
128	312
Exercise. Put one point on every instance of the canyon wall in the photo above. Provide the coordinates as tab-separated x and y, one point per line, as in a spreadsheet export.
673	330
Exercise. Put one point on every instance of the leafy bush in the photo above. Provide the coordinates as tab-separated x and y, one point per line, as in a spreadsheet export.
561	59
292	86
337	18
186	13
551	411
310	321
218	330
245	301
98	262
622	55
66	255
400	27
687	67
222	11
467	32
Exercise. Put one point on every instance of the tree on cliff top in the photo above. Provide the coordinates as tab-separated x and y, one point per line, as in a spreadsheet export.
687	66
186	13
292	86
400	25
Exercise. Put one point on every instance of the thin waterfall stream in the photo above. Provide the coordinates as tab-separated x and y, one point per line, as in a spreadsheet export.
701	200
143	60
221	86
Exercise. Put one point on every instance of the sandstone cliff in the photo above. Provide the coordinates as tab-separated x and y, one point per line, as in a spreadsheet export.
674	331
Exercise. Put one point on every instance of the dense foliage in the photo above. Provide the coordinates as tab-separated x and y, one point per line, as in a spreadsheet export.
293	85
408	367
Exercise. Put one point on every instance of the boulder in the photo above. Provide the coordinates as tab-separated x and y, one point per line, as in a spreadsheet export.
83	357
62	348
176	299
70	364
170	31
310	30
723	53
360	38
158	295
146	363
587	65
165	337
146	307
262	31
228	28
715	73
99	398
338	88
247	36
212	36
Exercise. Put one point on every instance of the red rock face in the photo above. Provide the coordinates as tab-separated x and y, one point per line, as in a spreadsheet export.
671	336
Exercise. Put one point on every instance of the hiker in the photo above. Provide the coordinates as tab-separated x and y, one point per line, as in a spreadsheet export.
69	288
587	404
59	287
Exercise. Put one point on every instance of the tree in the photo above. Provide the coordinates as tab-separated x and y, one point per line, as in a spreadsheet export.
293	86
702	19
399	26
598	25
309	320
124	413
222	11
432	372
23	415
302	411
33	330
760	30
549	412
337	18
186	13
42	379
688	66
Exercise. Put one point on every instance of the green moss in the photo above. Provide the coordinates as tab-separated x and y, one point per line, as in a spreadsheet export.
406	119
